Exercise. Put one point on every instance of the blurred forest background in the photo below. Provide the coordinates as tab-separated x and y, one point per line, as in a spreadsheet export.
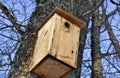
99	47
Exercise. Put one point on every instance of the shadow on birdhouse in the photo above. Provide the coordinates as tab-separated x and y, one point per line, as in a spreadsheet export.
56	49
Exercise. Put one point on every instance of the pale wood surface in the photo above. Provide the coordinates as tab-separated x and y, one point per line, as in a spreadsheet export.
65	41
58	40
59	37
43	44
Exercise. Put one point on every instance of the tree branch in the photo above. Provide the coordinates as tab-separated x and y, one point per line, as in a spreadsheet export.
11	18
90	11
9	37
112	12
108	54
112	36
113	2
112	65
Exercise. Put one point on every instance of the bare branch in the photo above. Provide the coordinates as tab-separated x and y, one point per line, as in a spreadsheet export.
112	12
5	27
90	11
112	36
11	18
112	1
112	65
109	54
8	37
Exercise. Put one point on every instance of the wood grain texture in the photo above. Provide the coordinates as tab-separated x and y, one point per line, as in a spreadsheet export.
43	44
65	41
50	67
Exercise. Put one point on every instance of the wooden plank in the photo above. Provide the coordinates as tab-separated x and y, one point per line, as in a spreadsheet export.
65	41
55	39
78	22
52	68
68	43
43	43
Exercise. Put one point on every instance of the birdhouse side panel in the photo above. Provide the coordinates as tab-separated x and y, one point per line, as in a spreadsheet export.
43	43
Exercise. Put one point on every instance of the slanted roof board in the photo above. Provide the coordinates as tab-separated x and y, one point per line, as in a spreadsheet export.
78	22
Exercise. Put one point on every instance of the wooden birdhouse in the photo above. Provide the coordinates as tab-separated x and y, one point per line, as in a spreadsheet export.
56	49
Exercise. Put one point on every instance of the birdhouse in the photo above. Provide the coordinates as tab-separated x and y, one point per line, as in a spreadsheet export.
56	49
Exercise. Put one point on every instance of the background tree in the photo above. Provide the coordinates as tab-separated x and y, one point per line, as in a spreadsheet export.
99	48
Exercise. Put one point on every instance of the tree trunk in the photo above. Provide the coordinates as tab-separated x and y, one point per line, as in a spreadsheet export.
20	67
95	46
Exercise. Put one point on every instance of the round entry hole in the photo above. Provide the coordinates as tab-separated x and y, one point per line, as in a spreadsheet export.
67	25
72	51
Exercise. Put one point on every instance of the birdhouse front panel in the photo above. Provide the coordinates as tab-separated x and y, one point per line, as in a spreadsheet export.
65	41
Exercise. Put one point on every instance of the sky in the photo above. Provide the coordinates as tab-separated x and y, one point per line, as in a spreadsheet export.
23	10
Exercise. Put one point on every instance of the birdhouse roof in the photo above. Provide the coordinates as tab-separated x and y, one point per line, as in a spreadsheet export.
78	22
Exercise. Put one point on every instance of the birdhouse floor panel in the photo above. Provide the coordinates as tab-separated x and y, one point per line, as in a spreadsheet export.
50	67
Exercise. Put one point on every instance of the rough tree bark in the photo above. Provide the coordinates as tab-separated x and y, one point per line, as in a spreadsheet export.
95	51
95	45
20	67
